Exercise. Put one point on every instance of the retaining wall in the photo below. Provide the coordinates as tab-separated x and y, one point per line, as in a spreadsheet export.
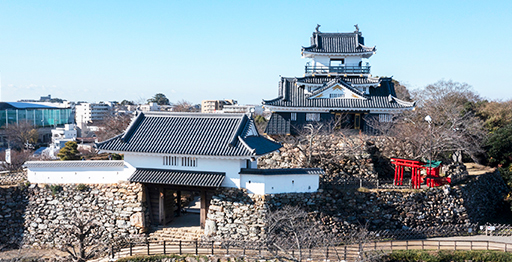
234	214
38	216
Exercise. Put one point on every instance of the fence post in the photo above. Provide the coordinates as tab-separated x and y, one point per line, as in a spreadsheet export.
422	244
259	250
212	247
112	250
345	253
227	249
487	245
471	245
180	247
438	244
196	248
327	253
406	244
131	247
293	253
164	248
455	245
506	245
309	252
374	245
147	243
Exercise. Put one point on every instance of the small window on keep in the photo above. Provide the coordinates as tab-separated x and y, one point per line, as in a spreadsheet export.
313	117
337	62
293	116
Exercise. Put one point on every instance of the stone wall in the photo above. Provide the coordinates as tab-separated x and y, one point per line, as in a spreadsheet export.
340	157
235	214
36	215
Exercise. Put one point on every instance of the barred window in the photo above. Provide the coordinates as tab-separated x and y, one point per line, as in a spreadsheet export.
313	117
189	161
293	116
335	95
170	160
385	118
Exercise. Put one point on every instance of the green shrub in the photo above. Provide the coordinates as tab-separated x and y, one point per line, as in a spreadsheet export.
55	189
445	255
500	147
23	185
81	187
117	156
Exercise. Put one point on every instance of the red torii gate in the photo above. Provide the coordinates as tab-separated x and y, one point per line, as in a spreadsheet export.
433	178
415	166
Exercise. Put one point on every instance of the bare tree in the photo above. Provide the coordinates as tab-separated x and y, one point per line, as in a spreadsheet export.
18	158
452	128
85	238
291	228
21	135
183	106
401	91
112	125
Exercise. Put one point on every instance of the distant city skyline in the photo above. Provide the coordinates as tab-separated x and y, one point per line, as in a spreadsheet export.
111	51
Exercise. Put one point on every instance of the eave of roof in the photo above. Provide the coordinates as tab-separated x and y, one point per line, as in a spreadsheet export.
282	171
178	177
77	163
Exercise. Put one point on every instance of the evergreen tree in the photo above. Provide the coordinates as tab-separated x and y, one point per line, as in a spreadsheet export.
160	99
69	151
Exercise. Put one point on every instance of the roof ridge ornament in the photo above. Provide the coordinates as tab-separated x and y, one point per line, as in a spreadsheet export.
317	28
357	28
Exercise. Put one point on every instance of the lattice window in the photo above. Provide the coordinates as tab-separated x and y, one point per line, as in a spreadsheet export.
313	117
189	161
335	95
170	161
385	118
293	116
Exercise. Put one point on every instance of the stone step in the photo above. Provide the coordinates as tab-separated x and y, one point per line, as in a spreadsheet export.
175	234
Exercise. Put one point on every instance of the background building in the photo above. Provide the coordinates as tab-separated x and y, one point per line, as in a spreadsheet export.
40	116
212	106
89	112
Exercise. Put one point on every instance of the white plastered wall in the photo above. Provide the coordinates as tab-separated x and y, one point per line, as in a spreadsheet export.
80	175
229	166
278	184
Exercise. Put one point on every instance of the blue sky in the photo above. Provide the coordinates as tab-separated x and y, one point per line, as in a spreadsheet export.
194	50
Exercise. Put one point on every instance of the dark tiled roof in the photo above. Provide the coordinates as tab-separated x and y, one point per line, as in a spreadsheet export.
337	43
291	95
320	80
287	171
78	163
277	125
191	134
177	177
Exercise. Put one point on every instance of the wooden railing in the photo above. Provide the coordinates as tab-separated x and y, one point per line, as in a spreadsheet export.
339	253
338	69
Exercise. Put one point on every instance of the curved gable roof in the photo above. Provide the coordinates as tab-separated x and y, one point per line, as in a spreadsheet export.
337	43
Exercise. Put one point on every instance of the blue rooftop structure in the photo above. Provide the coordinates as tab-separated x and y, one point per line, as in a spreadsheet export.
38	115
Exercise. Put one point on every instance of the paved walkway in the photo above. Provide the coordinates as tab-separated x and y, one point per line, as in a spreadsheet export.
501	239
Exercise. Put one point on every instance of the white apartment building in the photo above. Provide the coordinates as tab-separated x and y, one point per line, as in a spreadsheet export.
88	112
